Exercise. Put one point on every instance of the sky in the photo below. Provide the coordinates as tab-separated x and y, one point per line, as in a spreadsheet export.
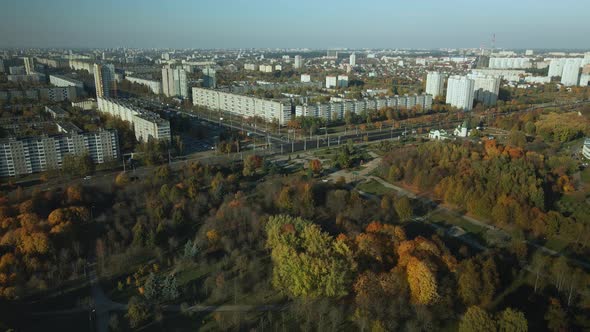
316	24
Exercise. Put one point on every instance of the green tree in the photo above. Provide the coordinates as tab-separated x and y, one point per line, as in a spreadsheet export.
403	208
511	320
80	164
137	312
476	320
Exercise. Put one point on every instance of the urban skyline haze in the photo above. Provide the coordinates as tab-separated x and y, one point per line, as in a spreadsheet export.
294	24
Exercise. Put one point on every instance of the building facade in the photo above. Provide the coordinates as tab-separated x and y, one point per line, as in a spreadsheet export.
21	156
146	125
104	80
174	82
435	83
154	86
298	62
571	73
460	91
486	88
246	106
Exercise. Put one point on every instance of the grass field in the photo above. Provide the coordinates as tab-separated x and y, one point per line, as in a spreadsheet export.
450	219
373	187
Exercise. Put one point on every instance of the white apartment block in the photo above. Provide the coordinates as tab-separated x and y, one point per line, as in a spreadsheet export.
335	110
305	78
245	106
486	88
174	82
104	79
20	156
298	62
62	81
435	83
250	66
571	73
460	92
510	63
82	65
331	82
145	124
265	68
154	86
342	81
352	60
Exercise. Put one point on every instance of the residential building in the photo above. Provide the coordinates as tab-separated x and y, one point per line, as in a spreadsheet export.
332	54
571	73
86	105
146	125
331	82
246	106
63	81
104	80
17	70
342	81
82	65
486	88
154	86
352	60
56	112
586	148
21	156
510	63
298	62
305	78
435	83
460	92
34	77
265	68
174	82
250	66
29	65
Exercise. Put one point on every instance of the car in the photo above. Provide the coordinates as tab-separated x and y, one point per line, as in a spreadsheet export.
87	177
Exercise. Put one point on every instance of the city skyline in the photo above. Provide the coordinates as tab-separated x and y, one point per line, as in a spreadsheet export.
304	24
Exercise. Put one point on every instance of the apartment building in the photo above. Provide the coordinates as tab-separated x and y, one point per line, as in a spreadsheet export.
145	124
21	156
243	105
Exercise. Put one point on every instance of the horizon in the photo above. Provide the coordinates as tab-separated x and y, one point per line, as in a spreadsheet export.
233	24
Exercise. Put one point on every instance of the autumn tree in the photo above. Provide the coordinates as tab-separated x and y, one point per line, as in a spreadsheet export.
316	166
306	261
511	320
403	208
476	320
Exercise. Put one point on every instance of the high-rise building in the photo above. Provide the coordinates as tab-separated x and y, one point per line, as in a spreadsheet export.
571	73
333	54
342	81
352	60
298	62
331	82
529	52
435	83
104	80
486	88
209	80
29	65
174	83
460	92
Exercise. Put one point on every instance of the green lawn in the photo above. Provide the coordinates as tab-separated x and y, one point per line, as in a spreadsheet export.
373	187
450	219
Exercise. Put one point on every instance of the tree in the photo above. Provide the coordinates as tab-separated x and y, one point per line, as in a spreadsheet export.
556	317
511	320
422	281
122	179
80	164
306	261
251	164
137	312
403	208
469	283
316	166
476	320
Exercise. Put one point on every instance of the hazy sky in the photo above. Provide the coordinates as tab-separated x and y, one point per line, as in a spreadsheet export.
295	23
